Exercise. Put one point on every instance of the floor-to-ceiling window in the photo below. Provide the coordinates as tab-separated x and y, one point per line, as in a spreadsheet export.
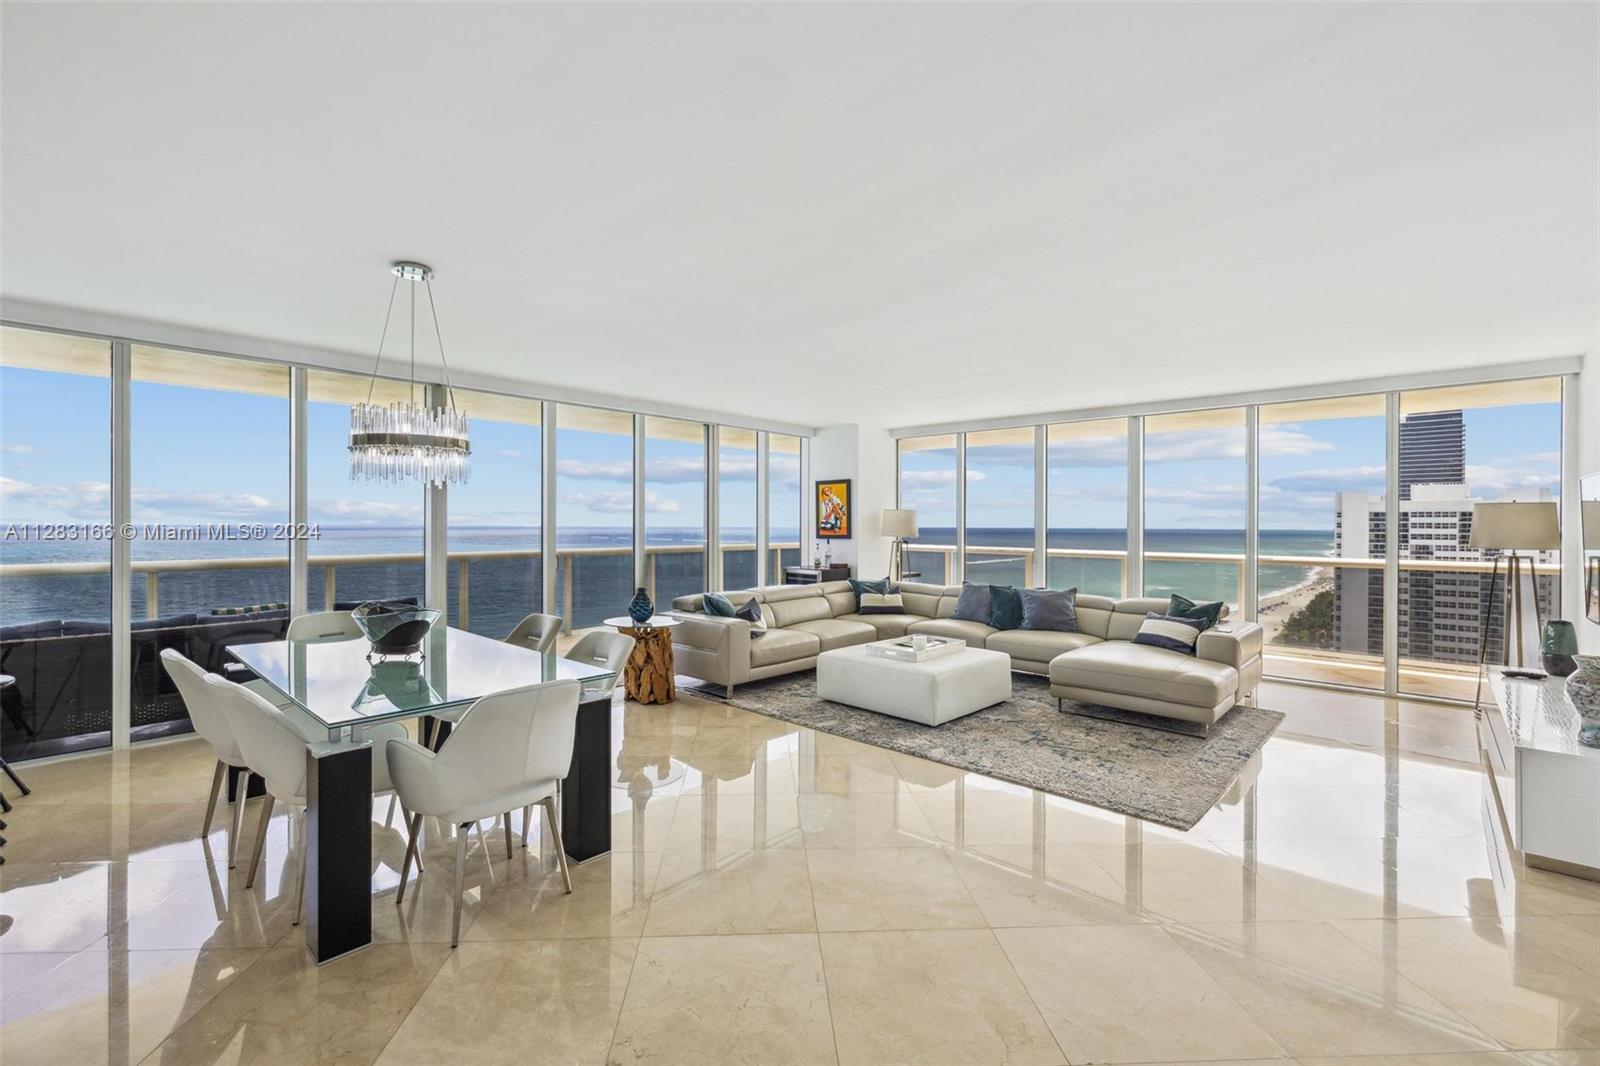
1460	446
1194	504
928	486
366	536
1087	506
783	504
495	574
1322	481
1000	507
210	491
674	508
736	506
594	514
55	546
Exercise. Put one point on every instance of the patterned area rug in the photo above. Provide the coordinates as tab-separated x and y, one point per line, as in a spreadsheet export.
1107	761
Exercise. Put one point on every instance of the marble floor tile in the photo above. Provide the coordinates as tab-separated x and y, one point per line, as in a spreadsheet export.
103	1006
934	996
714	822
864	821
69	906
726	999
1517	993
847	774
1131	994
889	888
1057	885
285	1008
742	892
1319	994
1192	881
610	897
532	1001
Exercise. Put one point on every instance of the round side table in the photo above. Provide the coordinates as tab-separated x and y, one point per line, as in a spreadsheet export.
648	676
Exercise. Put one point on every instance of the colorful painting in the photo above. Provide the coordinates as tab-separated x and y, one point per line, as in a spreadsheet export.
833	509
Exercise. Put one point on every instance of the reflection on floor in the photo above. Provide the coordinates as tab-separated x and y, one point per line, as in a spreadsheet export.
777	895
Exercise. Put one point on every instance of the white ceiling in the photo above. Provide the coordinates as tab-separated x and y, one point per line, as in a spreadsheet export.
888	214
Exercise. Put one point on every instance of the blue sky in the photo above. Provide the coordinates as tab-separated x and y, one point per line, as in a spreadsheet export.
202	455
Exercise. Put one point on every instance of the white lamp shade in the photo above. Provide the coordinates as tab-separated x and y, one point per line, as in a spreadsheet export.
1514	526
899	523
1591	525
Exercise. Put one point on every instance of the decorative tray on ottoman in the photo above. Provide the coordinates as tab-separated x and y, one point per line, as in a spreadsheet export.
903	649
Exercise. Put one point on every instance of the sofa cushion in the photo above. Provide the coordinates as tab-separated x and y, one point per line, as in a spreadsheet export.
1037	645
1128	616
887	625
1055	609
782	646
880	587
1173	632
1094	614
974	604
717	604
786	612
837	632
1117	666
974	633
1005	607
921	599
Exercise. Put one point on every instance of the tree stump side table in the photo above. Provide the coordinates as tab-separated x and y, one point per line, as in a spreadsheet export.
648	676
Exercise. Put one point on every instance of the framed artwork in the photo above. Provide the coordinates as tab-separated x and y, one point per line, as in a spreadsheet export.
833	509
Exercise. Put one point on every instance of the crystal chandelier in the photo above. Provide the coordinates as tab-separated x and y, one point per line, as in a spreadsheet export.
409	441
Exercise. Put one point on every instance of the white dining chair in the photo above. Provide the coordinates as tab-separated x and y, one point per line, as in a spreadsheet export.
274	746
603	648
213	727
324	625
510	750
537	632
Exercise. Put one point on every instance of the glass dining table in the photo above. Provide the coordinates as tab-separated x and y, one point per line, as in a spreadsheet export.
345	690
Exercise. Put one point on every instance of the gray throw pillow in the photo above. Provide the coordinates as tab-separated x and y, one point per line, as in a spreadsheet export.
1054	609
751	612
715	603
973	606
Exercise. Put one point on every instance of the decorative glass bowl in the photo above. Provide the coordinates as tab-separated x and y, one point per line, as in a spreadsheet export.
395	628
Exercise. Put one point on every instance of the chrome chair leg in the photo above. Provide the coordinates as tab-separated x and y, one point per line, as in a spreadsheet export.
239	789
508	834
261	839
414	829
527	825
549	805
388	819
461	868
305	861
217	777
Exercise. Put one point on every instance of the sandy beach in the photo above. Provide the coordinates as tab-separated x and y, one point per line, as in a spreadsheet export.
1277	609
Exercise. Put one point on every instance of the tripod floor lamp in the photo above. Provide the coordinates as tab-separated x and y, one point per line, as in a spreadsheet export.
1512	527
899	524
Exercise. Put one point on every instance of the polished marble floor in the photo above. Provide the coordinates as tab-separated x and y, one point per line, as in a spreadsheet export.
777	895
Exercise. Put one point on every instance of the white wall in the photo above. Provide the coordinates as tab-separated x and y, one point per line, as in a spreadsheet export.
1588	414
865	455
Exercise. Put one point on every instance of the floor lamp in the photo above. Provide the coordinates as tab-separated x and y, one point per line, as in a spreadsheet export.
898	524
1509	528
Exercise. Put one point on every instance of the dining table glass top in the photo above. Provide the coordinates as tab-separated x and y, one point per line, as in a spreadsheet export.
341	684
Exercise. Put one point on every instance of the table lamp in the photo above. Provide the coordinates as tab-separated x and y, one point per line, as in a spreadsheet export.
899	524
1511	527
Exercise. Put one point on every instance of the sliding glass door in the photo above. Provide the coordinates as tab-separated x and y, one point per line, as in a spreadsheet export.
928	473
674	509
1087	506
594	514
1194	505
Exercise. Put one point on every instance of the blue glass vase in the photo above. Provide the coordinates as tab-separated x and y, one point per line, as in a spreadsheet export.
640	609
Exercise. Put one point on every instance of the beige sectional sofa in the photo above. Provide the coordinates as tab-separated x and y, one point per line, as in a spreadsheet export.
1099	664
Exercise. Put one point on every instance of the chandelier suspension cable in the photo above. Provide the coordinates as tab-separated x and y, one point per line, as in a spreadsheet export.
450	392
378	362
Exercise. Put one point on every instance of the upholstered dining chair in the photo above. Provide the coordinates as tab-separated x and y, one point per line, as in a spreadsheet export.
324	625
537	632
604	648
213	727
510	750
274	746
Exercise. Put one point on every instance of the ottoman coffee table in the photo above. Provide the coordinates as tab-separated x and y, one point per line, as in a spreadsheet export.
932	692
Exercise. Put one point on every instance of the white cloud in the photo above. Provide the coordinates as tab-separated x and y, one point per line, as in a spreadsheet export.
935	478
365	512
682	471
90	501
599	471
18	449
1332	479
620	502
86	501
509	453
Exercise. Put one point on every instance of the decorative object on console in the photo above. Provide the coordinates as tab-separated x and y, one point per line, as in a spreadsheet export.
973	605
901	525
1589	490
716	603
394	628
751	612
1170	632
1512	527
1583	689
1005	607
640	608
1050	609
833	510
1557	645
814	575
409	441
1183	607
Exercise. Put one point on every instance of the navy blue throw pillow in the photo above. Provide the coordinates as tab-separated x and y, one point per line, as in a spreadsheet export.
1166	631
973	606
1053	609
751	612
1005	607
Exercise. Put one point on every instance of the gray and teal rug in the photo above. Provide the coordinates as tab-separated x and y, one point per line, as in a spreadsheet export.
1107	761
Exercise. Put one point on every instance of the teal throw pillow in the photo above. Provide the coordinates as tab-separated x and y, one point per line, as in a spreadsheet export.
1207	613
880	588
715	603
1005	607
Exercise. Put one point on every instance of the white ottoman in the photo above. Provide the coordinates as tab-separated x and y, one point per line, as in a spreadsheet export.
931	692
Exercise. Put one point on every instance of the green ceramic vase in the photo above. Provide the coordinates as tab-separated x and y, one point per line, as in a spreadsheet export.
1557	646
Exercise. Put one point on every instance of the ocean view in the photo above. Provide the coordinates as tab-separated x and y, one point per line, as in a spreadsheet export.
502	590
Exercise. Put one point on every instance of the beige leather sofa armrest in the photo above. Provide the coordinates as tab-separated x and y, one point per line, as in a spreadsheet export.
1231	643
712	648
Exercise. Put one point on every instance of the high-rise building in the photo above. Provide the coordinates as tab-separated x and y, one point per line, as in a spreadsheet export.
1433	450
